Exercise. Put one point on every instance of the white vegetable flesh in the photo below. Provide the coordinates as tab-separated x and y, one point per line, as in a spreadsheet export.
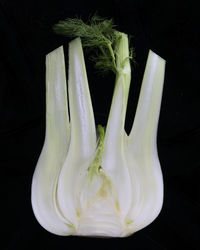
94	184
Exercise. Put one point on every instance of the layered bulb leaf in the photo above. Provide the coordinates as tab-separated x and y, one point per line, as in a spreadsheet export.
98	181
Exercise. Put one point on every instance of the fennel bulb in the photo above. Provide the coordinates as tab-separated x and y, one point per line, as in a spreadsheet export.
98	182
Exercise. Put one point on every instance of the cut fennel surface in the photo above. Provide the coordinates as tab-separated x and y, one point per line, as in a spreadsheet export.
100	182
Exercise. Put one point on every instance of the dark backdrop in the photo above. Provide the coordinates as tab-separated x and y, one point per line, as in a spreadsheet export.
169	28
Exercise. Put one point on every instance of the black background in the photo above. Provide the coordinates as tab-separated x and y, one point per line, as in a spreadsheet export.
169	28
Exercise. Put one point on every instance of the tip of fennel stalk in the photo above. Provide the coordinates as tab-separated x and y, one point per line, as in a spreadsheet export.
97	34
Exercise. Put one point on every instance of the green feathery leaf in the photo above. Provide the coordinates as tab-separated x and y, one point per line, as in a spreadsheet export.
98	33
